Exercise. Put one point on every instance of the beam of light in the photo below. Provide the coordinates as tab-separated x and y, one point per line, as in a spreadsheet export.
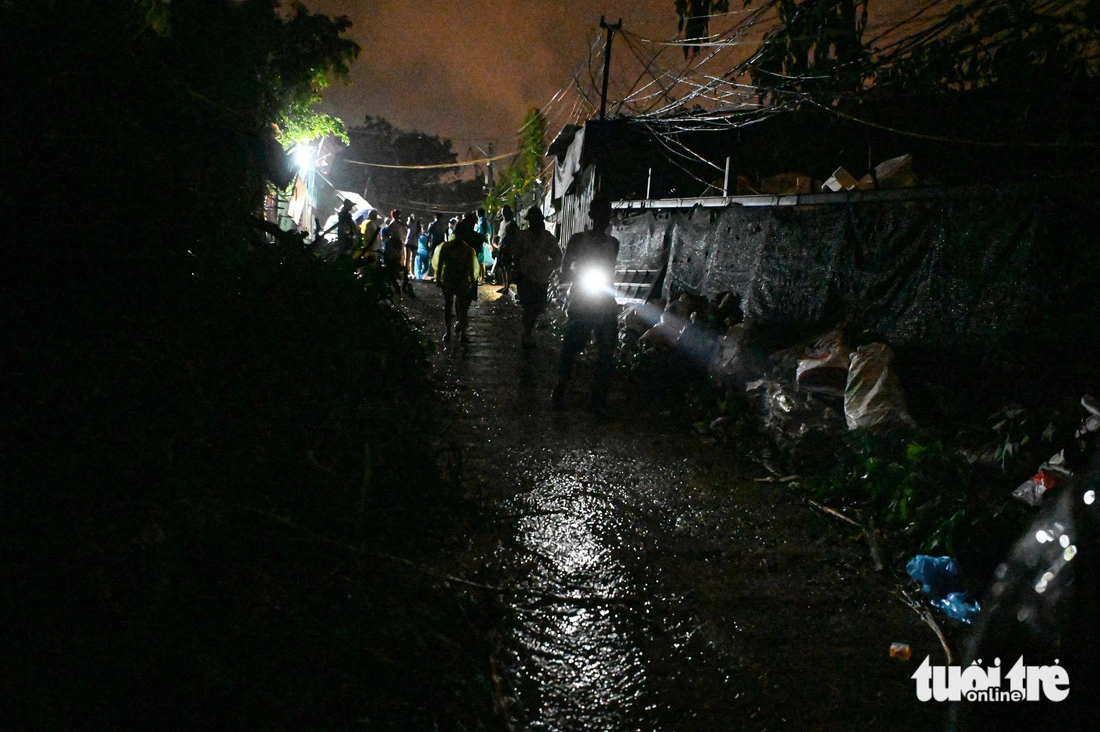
694	342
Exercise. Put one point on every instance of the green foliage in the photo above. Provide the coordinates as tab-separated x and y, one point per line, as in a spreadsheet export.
923	495
300	124
1011	426
157	15
525	170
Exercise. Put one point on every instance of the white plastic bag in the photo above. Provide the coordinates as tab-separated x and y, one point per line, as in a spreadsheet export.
873	395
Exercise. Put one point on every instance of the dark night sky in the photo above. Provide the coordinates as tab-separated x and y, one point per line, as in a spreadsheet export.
469	70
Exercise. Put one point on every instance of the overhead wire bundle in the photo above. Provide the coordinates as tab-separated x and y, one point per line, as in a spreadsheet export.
720	85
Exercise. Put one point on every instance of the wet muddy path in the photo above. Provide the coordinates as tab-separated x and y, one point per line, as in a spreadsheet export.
652	583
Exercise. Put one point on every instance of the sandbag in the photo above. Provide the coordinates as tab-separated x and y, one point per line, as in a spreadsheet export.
824	365
873	396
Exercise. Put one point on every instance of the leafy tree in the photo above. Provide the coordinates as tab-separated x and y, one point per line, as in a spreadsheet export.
204	436
1021	43
817	49
524	172
169	122
695	20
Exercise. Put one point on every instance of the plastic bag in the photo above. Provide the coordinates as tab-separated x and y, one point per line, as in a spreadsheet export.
937	575
941	581
873	394
824	366
1092	422
735	361
957	606
1051	474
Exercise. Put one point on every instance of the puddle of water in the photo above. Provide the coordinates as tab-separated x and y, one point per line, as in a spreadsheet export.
574	636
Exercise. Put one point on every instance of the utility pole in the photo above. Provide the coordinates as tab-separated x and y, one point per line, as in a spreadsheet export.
488	163
607	60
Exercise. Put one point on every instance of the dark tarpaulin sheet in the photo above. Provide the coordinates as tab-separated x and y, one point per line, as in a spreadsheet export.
643	241
974	268
643	252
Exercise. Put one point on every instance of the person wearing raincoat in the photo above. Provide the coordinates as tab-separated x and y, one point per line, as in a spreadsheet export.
456	273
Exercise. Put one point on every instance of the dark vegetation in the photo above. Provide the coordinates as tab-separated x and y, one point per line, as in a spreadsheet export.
219	491
977	91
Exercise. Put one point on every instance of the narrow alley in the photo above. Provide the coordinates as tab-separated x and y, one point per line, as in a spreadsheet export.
654	584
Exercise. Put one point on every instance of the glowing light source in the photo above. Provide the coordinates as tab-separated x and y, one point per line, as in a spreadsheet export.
1090	497
595	280
303	158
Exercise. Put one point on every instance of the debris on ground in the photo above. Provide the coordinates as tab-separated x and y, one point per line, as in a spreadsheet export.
901	651
824	366
1050	475
942	582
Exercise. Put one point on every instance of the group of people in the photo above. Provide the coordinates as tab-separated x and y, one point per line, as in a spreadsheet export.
461	253
529	258
404	246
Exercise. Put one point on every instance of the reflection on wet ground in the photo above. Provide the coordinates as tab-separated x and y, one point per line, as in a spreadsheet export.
653	586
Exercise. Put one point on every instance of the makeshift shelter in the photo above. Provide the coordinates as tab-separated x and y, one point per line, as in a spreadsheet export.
944	265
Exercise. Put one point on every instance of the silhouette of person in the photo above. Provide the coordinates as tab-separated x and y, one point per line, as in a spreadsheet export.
589	270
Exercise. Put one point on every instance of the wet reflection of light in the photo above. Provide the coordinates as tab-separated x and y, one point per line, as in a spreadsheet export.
1090	497
1043	536
587	670
1069	553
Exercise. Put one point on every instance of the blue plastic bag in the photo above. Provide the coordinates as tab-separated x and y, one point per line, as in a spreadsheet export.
956	606
940	579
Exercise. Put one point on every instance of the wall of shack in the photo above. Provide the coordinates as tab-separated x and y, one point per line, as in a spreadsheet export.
974	269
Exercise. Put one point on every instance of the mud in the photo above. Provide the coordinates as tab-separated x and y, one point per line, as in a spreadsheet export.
652	584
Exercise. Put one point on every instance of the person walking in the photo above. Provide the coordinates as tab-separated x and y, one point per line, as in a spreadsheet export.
437	234
393	250
536	258
589	270
456	273
423	254
369	242
509	233
347	233
412	234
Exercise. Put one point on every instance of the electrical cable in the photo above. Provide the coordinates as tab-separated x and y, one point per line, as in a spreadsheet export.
434	166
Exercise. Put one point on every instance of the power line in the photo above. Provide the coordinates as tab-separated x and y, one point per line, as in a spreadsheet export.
435	165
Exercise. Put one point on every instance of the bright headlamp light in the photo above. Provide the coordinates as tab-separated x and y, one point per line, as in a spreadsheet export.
595	281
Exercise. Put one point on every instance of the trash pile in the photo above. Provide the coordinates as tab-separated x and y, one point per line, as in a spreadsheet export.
932	503
893	173
821	384
1057	470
